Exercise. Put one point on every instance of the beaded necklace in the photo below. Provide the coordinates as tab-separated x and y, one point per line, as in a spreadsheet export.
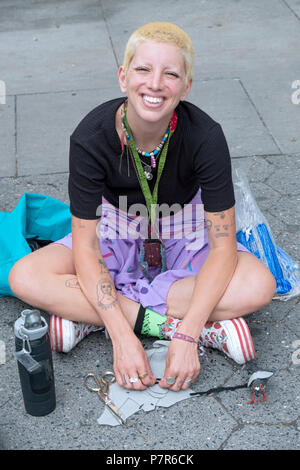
152	251
152	155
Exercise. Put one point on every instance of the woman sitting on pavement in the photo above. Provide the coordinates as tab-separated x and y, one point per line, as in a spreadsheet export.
192	283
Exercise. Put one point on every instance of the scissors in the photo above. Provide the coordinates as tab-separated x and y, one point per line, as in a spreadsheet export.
106	379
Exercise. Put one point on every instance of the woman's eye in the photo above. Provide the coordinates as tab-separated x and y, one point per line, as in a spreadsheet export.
173	74
142	69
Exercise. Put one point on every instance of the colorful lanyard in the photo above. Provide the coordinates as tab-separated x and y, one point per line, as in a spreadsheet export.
151	199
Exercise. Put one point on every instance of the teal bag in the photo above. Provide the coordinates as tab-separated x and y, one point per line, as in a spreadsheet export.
35	216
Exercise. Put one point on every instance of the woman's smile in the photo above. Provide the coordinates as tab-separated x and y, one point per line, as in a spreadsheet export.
155	83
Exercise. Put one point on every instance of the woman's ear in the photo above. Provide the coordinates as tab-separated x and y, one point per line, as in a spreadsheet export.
122	79
187	89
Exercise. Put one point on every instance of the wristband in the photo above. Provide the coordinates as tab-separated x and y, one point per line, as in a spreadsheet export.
188	338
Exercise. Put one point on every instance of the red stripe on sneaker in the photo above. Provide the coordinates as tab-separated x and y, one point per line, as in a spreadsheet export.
242	323
247	334
240	339
55	332
61	334
253	348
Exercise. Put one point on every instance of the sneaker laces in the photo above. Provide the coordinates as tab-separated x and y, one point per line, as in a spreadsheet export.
83	329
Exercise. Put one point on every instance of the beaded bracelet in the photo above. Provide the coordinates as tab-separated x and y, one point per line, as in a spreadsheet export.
188	338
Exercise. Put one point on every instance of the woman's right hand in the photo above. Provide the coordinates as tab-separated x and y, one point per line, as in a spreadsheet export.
131	360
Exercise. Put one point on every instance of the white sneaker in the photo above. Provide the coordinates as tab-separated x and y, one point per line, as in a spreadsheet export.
66	334
232	337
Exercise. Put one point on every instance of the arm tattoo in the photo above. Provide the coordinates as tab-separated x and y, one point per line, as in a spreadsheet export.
217	227
106	295
78	223
72	283
208	224
220	214
103	267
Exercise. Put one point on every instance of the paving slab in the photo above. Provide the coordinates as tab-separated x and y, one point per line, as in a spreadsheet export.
207	430
271	93
277	312
281	390
264	437
288	186
226	47
227	103
7	138
72	56
20	15
45	123
292	322
294	6
226	43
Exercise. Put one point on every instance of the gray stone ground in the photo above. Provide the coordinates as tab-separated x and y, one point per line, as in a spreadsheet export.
59	60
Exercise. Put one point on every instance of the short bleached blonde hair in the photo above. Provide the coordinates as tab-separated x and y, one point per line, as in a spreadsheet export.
161	31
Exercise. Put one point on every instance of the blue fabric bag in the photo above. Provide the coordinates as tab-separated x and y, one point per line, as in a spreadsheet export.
35	216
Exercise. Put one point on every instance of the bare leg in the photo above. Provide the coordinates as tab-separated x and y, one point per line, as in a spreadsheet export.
46	279
251	287
41	279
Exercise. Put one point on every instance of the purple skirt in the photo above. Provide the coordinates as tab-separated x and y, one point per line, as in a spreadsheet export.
121	236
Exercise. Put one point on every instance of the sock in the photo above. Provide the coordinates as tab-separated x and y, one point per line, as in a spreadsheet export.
150	323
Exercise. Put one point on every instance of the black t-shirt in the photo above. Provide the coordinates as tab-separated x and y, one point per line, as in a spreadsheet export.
198	157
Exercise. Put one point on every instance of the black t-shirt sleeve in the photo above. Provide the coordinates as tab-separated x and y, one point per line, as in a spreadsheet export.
213	168
86	182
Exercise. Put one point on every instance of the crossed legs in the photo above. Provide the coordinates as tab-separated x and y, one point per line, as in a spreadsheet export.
46	279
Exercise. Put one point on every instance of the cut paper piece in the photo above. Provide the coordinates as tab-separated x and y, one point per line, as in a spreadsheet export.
130	402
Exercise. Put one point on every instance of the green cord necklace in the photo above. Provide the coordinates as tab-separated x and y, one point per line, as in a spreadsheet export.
152	252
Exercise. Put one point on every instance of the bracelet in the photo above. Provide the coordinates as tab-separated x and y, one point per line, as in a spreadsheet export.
188	338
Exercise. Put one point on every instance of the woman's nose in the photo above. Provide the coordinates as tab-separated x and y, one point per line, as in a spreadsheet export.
156	81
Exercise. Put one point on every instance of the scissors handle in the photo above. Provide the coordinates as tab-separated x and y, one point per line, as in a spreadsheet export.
88	386
108	377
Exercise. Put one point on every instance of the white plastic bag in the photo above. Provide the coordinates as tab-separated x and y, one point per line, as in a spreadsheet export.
254	232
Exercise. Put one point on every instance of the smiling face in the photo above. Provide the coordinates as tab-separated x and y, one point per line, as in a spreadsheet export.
155	82
106	288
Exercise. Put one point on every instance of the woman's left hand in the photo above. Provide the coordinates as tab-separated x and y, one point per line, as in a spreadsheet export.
182	364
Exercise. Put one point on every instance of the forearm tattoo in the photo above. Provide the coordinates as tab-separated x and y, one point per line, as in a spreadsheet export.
103	267
220	229
72	283
78	223
106	294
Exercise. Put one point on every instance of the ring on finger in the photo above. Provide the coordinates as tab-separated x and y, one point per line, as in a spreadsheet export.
170	380
133	380
143	375
188	382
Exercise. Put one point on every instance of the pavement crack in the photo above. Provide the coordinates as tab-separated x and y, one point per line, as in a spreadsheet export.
109	34
260	116
233	431
290	8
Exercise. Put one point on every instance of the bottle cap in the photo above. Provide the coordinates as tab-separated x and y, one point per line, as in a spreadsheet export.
30	324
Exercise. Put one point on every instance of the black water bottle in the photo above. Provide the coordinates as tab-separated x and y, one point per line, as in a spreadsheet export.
34	357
